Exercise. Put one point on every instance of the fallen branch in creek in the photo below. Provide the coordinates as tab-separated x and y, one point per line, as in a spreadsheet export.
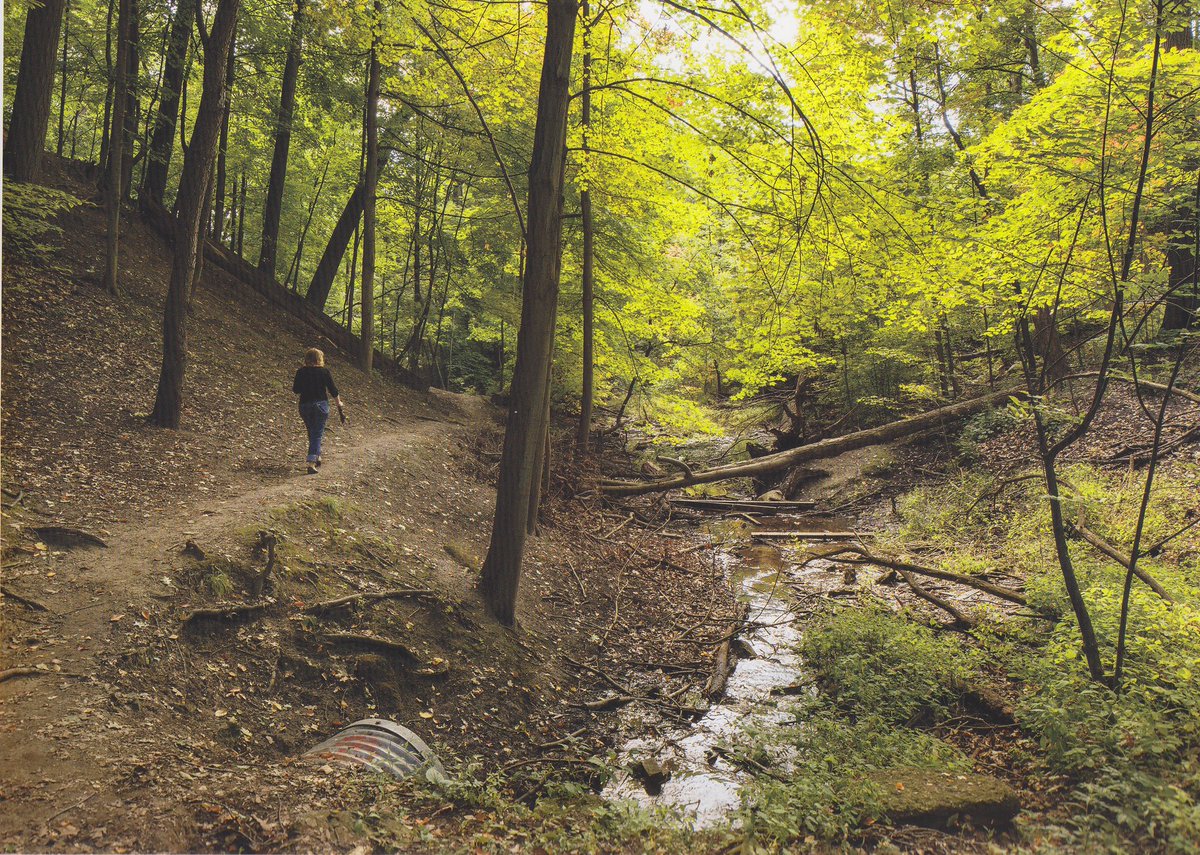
908	567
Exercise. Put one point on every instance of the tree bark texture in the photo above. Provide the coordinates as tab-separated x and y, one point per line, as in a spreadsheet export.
273	209
218	227
132	96
335	249
162	140
371	180
62	80
527	412
190	203
116	168
26	140
589	232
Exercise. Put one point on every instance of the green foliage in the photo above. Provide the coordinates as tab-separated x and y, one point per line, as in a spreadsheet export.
1133	756
825	792
984	426
873	663
29	214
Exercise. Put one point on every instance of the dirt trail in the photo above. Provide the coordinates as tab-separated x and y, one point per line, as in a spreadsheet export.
63	750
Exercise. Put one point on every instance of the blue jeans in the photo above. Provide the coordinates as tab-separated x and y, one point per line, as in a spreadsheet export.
315	414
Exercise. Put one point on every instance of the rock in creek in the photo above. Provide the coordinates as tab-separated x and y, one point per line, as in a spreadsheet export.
651	773
936	799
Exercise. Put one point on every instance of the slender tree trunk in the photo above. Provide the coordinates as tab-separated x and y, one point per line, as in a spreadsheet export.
205	213
273	209
371	123
526	427
132	97
1182	307
26	139
293	278
162	141
339	239
241	223
223	148
108	92
62	81
587	393
950	129
193	184
112	187
351	278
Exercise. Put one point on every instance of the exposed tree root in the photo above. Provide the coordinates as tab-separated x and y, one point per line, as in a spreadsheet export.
366	597
228	611
28	602
68	538
21	671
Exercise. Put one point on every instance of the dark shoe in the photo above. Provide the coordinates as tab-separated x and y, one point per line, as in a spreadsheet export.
312	470
319	463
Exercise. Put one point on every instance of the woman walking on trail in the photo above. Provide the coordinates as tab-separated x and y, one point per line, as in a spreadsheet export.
312	381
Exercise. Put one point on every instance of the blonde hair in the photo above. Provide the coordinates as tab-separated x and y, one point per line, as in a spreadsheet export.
314	356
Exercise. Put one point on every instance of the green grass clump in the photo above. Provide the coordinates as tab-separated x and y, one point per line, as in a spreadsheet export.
872	663
825	791
1131	758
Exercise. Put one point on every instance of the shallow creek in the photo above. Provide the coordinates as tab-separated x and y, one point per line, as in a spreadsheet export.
703	783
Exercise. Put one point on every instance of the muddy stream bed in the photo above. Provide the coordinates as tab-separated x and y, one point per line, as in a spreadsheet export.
704	783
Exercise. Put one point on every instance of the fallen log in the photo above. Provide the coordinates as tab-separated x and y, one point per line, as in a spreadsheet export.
755	505
943	604
724	659
817	450
807	535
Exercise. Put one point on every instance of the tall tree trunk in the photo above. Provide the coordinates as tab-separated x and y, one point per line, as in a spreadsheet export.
292	280
62	80
371	125
1048	345
223	148
273	209
35	84
241	223
108	92
112	186
526	427
322	279
589	230
132	96
162	140
1182	307
193	185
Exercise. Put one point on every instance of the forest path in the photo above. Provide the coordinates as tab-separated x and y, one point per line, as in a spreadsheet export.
64	733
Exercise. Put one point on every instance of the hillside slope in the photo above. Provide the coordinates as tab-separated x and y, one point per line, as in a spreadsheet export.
138	728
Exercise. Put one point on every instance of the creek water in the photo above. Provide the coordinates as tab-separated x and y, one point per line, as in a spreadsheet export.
704	784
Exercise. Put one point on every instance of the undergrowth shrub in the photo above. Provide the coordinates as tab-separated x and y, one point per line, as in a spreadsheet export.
826	791
29	212
873	663
1132	757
